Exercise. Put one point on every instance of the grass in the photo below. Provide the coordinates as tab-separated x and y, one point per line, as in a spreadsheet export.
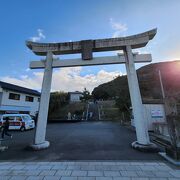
109	111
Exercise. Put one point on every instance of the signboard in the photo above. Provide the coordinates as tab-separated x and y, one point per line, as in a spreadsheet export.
156	114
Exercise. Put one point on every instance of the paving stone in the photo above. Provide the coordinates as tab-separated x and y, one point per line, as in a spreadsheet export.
5	167
43	163
148	168
4	177
145	174
45	167
58	163
74	167
79	173
95	173
31	167
82	163
63	173
69	178
47	173
121	178
17	172
128	173
52	177
137	163
18	167
88	168
140	178
59	167
111	173
158	178
104	178
123	163
5	172
70	163
95	163
30	163
175	173
164	168
18	178
86	178
162	164
103	168
151	163
132	168
88	171
109	163
35	178
117	168
32	172
162	174
5	163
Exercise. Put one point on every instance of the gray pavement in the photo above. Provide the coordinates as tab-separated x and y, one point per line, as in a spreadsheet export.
88	170
78	141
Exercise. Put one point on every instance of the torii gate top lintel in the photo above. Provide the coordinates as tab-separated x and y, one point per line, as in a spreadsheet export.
86	47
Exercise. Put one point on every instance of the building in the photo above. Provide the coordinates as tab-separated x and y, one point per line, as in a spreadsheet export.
17	99
75	96
154	112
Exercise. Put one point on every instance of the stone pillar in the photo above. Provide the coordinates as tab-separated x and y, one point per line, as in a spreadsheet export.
136	101
40	142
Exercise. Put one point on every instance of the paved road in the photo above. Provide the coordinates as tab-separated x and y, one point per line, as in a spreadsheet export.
95	140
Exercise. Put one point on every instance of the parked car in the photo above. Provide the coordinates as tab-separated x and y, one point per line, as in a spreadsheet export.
20	122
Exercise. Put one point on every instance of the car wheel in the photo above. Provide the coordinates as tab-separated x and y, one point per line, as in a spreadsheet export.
22	129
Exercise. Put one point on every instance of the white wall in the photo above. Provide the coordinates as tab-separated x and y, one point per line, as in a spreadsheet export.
34	106
75	97
150	111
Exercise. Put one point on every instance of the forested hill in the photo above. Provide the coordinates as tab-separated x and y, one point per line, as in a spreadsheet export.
148	80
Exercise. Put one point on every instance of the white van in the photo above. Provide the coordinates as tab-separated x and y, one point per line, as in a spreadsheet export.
20	122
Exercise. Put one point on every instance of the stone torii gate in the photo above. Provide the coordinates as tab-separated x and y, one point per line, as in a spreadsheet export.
86	48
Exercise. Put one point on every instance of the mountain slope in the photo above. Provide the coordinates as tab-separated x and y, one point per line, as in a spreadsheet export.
149	82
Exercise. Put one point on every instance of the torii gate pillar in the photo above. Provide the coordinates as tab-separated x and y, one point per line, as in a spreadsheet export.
136	101
39	141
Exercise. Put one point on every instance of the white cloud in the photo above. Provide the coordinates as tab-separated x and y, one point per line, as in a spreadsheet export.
28	69
65	79
39	37
118	27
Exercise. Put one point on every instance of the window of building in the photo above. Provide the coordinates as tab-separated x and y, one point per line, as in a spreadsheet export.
38	99
29	98
14	96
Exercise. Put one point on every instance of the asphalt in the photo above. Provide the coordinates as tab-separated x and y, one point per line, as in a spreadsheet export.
95	140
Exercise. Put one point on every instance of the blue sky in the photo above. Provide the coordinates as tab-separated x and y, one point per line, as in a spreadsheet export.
71	20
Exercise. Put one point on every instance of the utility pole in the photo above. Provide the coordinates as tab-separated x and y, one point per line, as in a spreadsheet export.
161	83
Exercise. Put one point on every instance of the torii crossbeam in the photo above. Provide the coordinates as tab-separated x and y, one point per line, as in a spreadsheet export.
86	48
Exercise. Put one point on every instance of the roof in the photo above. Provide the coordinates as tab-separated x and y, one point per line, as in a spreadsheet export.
76	92
19	89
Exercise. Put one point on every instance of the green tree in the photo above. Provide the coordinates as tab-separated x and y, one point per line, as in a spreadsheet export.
57	100
86	95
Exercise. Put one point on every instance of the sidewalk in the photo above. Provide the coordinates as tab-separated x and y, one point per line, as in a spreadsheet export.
88	170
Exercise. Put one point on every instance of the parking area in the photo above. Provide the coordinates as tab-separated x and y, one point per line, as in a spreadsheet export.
78	141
